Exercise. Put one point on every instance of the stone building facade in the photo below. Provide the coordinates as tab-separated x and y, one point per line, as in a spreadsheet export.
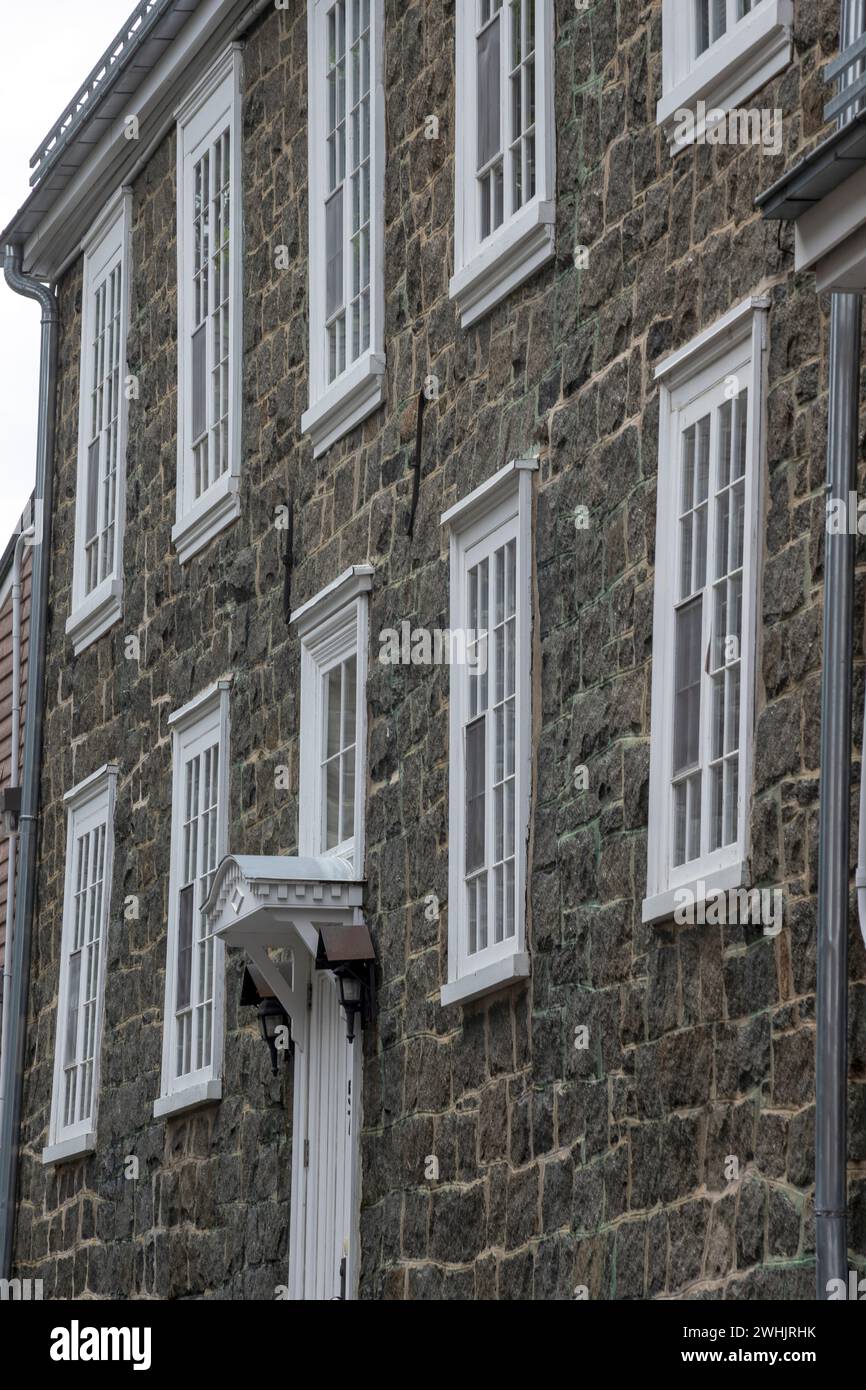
560	1168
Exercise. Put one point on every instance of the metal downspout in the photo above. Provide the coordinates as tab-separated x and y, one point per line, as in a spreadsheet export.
13	1057
831	1123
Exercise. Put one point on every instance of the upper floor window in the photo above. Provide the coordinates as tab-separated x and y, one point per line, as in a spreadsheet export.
86	898
346	162
717	54
705	611
333	755
505	149
194	983
97	579
209	307
490	733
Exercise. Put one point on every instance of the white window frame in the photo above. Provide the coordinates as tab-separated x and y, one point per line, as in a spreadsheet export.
735	346
486	272
337	407
750	53
213	106
106	247
203	721
89	806
498	508
333	626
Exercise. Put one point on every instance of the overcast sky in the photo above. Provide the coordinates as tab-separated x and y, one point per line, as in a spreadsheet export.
45	54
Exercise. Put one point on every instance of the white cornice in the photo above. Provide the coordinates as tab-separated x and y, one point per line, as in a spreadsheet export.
336	595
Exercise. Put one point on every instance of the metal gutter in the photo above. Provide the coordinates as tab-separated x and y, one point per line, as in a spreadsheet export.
810	180
99	157
12	1061
99	84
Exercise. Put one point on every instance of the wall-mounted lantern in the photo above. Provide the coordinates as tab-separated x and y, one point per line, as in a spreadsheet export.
348	952
271	1015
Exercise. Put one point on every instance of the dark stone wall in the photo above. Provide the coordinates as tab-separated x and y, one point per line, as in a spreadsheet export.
557	1167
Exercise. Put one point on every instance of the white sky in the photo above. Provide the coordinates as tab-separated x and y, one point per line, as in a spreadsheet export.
45	55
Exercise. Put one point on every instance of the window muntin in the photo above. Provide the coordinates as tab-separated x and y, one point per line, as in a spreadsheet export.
87	893
347	191
104	437
192	1051
489	745
210	307
505	148
211	342
715	18
708	561
708	627
346	217
490	751
82	966
505	131
334	632
194	982
97	578
339	695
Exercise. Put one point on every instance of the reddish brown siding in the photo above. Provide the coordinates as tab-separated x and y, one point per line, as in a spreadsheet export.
6	719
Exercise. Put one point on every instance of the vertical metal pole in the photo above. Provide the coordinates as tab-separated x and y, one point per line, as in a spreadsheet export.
16	1004
831	1130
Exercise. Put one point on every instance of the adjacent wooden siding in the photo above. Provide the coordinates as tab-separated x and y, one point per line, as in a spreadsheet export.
6	719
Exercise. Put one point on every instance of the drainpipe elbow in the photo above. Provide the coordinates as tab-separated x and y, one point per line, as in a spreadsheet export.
25	284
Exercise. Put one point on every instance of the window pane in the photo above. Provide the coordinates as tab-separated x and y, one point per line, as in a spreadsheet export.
199	383
332	804
475	786
350	668
687	685
334	253
92	491
74	989
184	947
489	140
334	686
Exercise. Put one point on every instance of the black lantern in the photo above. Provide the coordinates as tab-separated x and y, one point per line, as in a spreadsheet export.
348	952
272	1017
270	1012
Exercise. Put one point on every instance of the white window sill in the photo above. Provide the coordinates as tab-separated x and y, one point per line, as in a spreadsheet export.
351	398
96	614
190	1098
504	261
210	515
732	69
66	1149
700	885
490	977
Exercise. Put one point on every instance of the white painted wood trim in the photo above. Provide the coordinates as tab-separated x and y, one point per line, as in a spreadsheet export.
504	502
334	626
200	718
214	105
92	801
733	69
356	580
68	1149
337	407
486	272
744	341
108	243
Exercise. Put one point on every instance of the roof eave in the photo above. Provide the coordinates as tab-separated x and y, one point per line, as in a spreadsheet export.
827	166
